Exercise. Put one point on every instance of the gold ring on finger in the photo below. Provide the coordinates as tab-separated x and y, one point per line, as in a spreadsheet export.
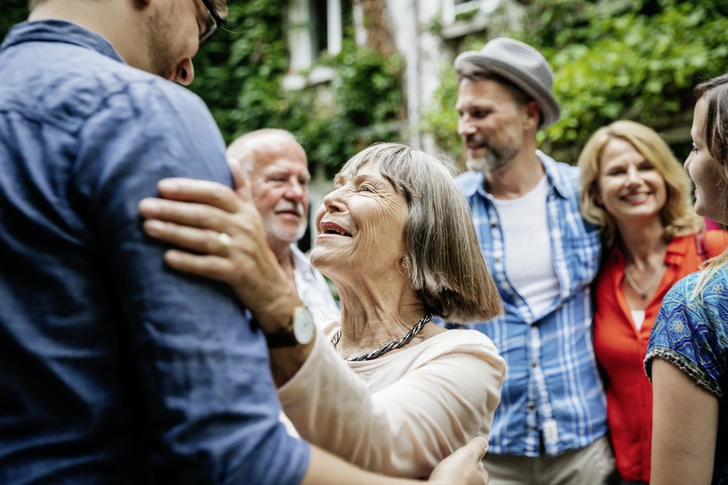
225	242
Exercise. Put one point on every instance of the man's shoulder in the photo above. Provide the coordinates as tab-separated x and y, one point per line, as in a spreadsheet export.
560	172
67	84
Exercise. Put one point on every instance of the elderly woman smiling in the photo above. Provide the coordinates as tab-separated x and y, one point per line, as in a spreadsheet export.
384	389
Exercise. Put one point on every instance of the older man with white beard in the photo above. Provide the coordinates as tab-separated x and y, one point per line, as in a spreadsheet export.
277	167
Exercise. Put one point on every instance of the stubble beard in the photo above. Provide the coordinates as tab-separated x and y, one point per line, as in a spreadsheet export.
162	59
277	232
492	161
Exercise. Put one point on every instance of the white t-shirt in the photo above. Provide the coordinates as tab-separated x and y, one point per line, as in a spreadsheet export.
529	263
638	317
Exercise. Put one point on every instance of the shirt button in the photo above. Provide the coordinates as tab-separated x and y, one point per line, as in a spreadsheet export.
493	224
534	364
531	407
497	260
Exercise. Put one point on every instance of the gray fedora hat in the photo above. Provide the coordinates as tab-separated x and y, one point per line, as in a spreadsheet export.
522	65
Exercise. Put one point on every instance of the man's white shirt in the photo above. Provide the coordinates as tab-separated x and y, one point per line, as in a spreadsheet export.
311	285
529	263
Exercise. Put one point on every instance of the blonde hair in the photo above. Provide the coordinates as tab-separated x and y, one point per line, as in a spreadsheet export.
678	216
446	266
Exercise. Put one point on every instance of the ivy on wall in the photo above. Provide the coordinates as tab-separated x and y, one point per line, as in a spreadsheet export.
635	60
367	107
240	73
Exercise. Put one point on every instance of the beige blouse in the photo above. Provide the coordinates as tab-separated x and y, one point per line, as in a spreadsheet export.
401	413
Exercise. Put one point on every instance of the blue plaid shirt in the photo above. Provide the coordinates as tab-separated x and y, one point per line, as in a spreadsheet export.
552	387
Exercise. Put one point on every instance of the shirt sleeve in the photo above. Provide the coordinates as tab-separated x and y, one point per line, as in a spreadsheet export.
405	429
203	371
689	329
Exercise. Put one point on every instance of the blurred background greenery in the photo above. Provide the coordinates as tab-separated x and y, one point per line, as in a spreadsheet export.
613	59
636	60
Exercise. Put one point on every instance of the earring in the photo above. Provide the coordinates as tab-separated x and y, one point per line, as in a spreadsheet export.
405	263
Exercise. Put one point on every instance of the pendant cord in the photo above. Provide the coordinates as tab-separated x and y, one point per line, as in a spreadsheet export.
636	288
396	344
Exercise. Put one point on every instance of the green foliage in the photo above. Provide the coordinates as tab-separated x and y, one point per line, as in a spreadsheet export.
468	14
14	11
240	77
615	60
238	72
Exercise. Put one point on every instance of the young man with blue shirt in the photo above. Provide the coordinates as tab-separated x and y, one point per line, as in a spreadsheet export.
115	369
550	425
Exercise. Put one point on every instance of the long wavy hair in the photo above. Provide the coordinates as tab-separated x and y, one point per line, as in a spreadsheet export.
678	216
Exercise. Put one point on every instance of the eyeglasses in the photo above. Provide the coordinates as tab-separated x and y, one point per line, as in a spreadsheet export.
213	22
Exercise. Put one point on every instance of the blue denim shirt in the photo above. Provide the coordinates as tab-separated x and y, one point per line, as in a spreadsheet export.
114	368
552	387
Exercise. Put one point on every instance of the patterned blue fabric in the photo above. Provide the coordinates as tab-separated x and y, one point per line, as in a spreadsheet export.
552	386
691	331
115	369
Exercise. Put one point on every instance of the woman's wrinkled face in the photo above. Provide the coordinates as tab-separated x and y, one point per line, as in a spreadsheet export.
360	226
629	186
704	170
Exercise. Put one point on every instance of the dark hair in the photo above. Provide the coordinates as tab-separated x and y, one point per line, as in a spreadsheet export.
715	133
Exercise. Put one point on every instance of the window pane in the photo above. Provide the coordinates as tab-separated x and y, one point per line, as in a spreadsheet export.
319	25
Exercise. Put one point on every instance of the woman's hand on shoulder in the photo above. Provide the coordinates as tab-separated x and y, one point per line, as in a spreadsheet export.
463	467
222	233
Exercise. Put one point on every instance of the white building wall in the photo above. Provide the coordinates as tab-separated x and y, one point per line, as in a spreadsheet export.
424	56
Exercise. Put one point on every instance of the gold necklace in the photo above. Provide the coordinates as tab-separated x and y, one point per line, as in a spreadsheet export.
636	288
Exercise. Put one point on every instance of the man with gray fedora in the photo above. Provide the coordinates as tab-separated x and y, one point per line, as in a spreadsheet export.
551	423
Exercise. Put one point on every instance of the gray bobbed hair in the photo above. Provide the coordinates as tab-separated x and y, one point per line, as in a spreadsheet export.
446	265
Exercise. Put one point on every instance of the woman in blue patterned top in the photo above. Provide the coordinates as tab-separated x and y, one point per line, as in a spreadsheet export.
687	357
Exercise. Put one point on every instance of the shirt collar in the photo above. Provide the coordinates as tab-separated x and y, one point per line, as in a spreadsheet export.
475	181
59	31
299	259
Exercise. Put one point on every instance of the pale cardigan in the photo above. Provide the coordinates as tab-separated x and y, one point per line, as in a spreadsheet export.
401	413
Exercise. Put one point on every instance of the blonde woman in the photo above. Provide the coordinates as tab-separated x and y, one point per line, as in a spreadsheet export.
687	356
635	190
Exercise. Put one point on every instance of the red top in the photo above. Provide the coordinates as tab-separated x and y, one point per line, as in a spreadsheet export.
620	350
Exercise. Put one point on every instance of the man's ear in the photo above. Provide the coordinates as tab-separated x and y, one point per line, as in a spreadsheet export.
533	113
